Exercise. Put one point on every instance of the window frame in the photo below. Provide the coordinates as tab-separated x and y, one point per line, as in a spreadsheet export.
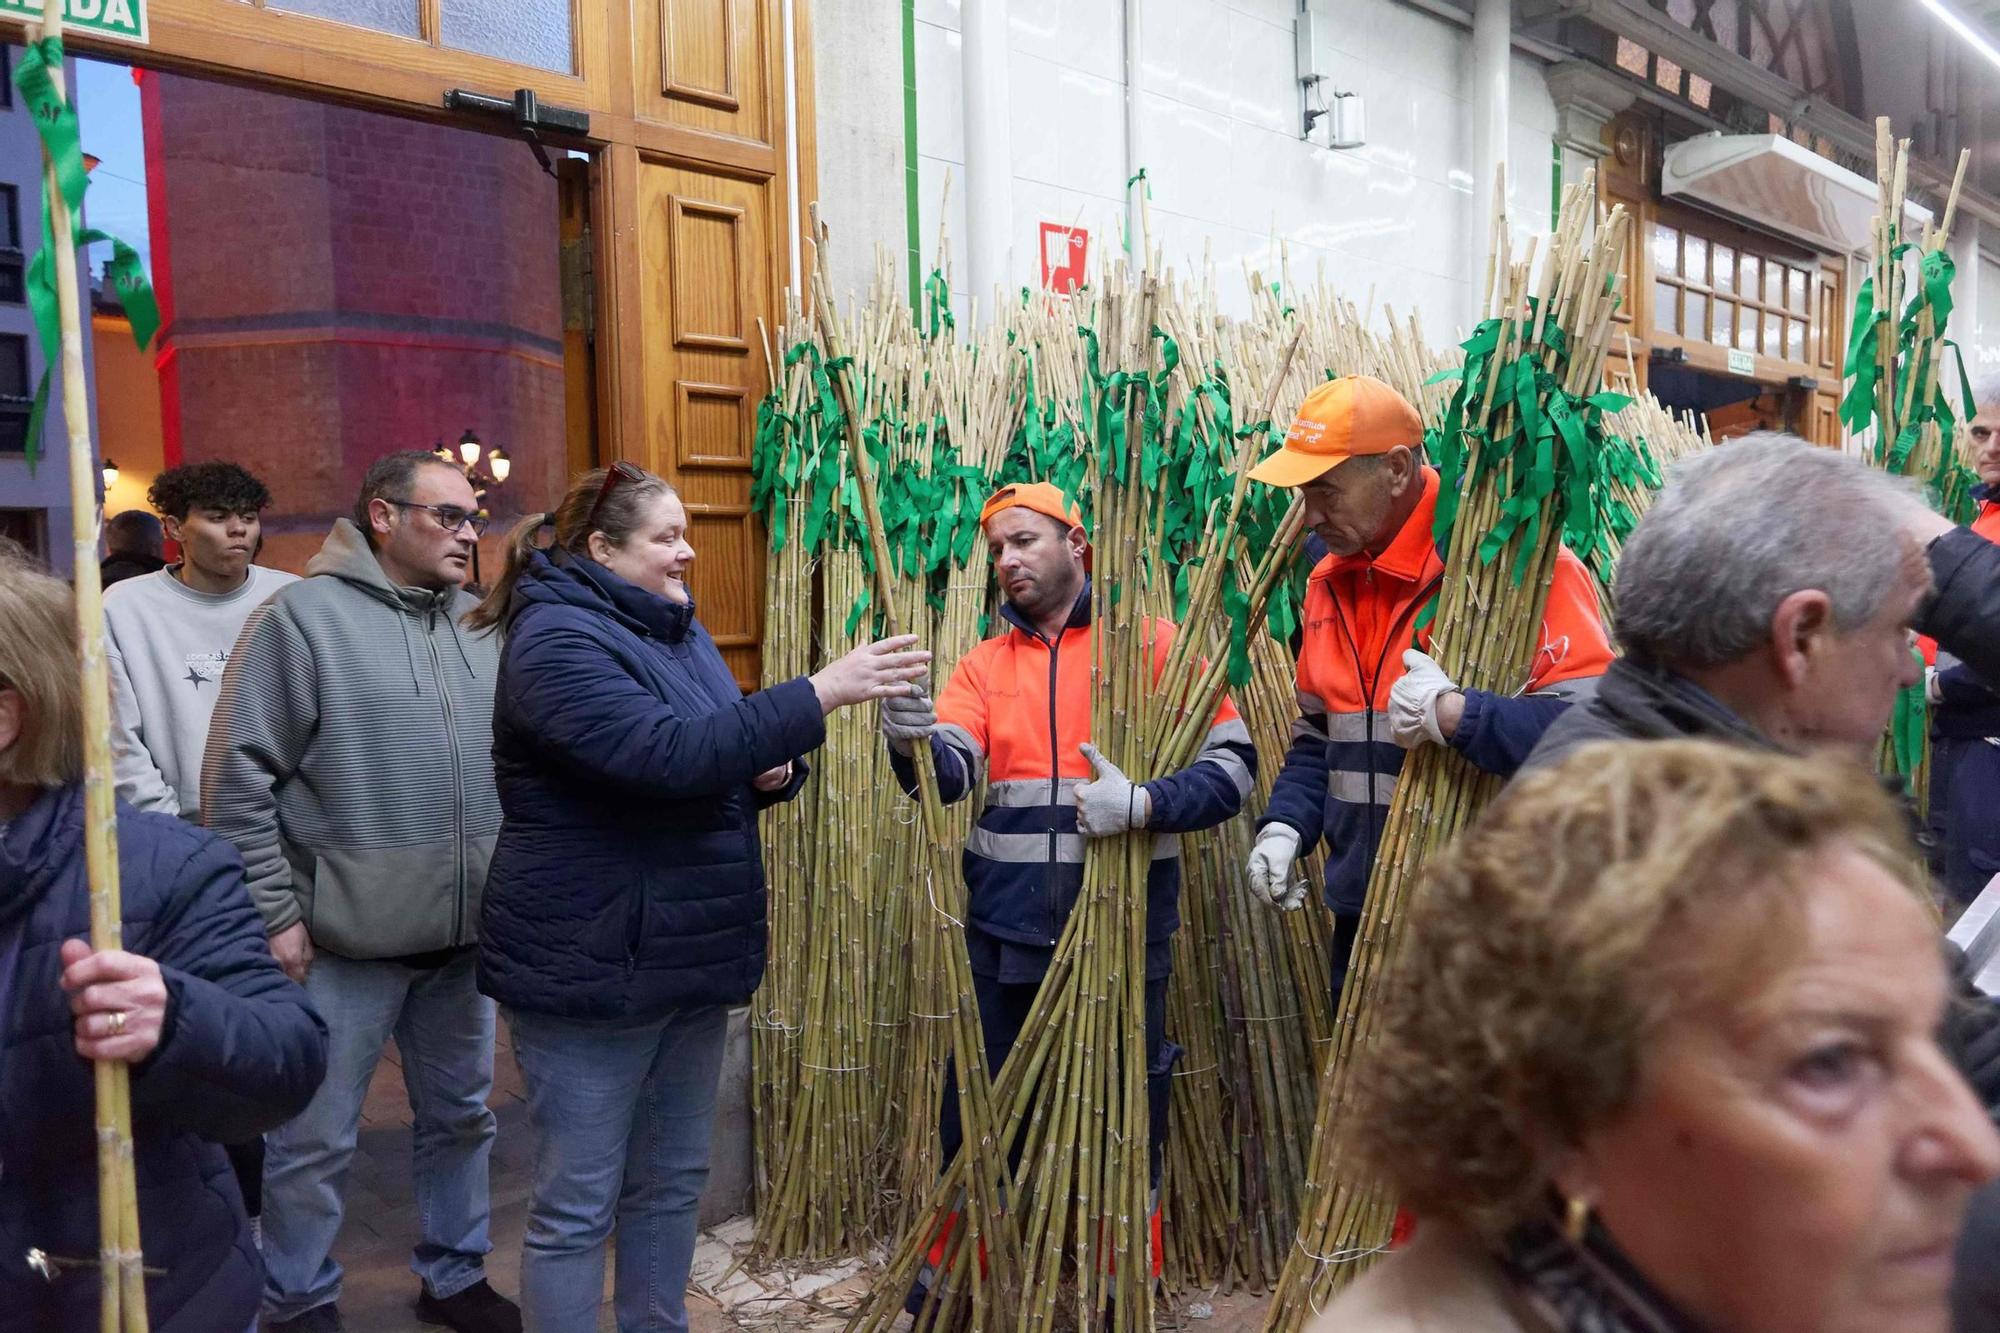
1741	243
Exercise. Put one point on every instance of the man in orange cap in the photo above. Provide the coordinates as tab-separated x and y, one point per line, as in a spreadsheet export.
1366	690
1017	710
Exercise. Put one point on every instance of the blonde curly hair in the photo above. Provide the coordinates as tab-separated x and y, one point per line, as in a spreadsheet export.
1594	901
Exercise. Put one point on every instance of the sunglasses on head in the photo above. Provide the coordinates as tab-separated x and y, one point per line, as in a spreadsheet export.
618	472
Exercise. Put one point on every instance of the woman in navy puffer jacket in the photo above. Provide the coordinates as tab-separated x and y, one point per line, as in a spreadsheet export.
624	911
222	1045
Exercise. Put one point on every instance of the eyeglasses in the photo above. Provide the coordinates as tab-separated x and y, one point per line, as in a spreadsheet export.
449	517
617	472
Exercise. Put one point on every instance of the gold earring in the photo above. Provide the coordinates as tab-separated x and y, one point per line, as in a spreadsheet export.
1576	1219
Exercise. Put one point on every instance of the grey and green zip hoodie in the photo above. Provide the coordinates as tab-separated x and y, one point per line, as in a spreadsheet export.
351	758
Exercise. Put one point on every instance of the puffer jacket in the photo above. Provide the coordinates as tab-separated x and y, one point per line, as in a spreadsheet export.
1965	757
1968	709
628	879
241	1053
1963	611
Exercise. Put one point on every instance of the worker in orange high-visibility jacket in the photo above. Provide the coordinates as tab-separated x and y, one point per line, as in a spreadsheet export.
1017	712
1965	714
1367	690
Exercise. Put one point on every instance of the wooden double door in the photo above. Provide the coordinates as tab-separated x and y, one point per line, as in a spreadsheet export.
676	216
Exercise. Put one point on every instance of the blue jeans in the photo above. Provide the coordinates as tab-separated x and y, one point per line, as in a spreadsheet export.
444	1030
622	1114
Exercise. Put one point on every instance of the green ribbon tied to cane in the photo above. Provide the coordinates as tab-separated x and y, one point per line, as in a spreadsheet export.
56	122
1907	725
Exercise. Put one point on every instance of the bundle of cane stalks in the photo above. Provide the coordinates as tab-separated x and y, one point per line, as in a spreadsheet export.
1643	442
1520	453
1895	364
887	428
1255	1033
1896	368
1071	1096
858	1012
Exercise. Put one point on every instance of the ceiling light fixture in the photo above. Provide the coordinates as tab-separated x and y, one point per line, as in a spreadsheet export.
1960	25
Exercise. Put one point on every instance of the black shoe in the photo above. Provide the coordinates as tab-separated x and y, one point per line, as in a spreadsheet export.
477	1309
319	1319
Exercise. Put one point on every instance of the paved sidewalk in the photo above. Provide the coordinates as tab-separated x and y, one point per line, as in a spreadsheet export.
381	1227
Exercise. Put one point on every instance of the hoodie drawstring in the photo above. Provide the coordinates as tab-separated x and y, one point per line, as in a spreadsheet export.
410	652
458	638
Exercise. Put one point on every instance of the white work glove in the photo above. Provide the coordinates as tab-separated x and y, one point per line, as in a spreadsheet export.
1110	803
1413	701
1270	868
907	718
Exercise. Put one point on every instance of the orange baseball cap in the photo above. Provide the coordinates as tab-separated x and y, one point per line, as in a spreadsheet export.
1351	417
1039	496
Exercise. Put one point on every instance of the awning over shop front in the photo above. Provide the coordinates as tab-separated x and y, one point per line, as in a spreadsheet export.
1770	182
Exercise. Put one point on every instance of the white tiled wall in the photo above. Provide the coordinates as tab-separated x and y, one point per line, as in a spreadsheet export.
1230	177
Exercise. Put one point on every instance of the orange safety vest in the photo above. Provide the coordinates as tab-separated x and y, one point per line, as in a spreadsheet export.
1360	616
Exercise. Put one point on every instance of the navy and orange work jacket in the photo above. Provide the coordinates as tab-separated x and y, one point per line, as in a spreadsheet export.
1360	615
1015	711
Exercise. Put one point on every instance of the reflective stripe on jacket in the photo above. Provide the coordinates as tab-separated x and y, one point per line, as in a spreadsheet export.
1015	711
1360	615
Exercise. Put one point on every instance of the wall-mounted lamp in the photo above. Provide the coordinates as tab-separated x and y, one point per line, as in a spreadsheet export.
110	474
1347	121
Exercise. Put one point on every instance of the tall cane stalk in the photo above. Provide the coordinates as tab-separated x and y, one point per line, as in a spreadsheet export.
124	1300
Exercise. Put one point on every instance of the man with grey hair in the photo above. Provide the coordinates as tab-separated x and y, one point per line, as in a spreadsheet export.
1767	598
350	759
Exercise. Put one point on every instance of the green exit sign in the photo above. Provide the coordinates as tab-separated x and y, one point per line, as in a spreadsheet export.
121	20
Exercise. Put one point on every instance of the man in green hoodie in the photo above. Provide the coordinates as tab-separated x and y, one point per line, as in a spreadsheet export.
350	761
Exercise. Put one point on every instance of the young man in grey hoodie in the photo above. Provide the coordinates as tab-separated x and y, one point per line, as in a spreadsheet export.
168	634
350	761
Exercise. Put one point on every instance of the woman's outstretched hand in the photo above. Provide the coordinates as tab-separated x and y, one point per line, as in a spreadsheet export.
872	671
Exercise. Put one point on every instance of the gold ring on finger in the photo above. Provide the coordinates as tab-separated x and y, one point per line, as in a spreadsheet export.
117	1021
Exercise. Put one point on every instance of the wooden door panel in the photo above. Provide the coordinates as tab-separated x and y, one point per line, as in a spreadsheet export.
713	424
705	243
729	579
707	275
705	65
699	57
